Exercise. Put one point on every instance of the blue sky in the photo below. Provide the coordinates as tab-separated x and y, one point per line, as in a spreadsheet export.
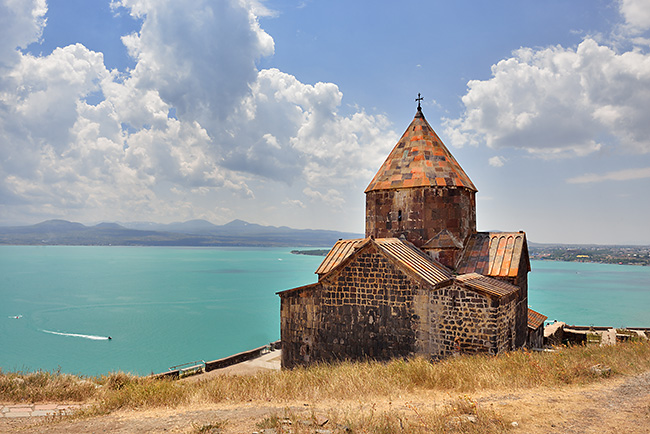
280	112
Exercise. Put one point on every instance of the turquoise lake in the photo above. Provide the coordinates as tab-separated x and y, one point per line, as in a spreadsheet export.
167	306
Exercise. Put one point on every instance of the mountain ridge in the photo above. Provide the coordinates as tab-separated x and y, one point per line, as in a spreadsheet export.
192	233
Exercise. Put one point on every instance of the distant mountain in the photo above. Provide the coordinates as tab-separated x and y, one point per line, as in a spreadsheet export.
188	227
56	225
190	233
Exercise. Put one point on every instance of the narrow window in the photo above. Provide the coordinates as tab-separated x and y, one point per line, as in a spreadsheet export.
399	215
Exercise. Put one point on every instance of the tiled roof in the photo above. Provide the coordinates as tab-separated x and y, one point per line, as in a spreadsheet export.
496	254
404	252
341	250
487	285
420	159
413	258
535	319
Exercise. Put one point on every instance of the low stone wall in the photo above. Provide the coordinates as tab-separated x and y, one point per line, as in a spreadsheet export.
559	333
240	357
244	356
171	375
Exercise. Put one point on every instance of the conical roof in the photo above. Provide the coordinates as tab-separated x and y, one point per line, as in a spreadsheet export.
420	159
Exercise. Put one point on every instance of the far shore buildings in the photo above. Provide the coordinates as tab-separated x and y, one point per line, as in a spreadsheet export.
423	281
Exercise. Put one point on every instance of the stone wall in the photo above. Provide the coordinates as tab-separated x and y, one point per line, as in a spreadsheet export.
369	307
300	318
521	319
461	320
506	315
420	213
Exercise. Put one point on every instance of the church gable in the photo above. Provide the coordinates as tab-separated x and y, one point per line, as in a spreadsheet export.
406	257
367	305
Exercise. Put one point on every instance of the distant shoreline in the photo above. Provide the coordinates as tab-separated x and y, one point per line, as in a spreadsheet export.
626	255
616	255
315	252
590	262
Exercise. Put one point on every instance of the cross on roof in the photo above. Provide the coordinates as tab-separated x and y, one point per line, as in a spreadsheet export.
418	99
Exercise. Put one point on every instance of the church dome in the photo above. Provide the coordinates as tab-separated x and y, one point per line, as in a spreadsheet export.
420	159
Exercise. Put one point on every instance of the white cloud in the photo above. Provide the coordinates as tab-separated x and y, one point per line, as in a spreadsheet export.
558	102
619	175
636	13
21	23
332	197
125	156
199	56
288	130
497	161
294	202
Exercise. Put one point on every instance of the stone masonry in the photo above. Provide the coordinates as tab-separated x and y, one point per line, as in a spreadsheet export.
374	307
420	214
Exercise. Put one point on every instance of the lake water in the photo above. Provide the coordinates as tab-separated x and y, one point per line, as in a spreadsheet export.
167	306
591	294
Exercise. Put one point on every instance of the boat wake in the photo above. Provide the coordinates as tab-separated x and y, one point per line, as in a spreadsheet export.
75	335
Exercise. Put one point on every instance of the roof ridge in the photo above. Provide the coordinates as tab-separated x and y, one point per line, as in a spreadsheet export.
415	260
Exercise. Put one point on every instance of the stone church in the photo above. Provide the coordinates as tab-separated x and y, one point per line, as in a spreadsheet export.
423	281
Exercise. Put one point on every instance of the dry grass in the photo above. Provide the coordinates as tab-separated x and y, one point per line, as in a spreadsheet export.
351	381
460	416
43	386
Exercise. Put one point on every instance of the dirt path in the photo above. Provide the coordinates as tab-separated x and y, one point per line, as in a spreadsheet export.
620	406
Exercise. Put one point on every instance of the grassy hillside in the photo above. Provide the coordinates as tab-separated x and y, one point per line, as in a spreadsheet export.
360	382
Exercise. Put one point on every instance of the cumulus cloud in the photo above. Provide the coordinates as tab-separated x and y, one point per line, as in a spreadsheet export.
619	175
199	56
194	122
561	102
286	130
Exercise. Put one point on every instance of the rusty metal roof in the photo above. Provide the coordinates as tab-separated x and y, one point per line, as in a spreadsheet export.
420	159
402	251
341	250
496	254
487	285
413	258
535	319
